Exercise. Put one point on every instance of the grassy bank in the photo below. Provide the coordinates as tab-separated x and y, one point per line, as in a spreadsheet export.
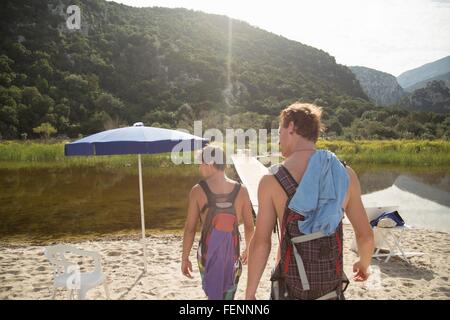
417	153
15	154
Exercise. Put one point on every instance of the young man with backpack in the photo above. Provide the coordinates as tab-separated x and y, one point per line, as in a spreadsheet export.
306	196
220	204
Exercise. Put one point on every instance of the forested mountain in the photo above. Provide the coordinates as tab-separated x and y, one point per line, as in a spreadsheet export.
422	84
434	97
424	73
167	67
383	90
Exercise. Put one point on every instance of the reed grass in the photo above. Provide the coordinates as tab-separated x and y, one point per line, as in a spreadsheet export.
417	153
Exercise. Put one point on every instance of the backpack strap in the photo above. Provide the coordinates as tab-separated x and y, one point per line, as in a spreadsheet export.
285	179
289	185
209	194
233	194
212	197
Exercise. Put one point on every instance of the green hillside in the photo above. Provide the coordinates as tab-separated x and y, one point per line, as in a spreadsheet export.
168	67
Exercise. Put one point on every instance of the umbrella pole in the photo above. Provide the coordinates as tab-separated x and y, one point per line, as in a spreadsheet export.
142	214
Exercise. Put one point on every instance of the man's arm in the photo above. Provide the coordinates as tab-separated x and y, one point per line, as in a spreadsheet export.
261	242
189	230
249	226
363	232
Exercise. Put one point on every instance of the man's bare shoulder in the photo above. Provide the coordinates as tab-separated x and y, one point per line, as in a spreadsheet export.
196	192
351	174
267	182
243	192
354	185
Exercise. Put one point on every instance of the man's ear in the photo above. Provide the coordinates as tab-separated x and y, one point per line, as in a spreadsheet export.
291	127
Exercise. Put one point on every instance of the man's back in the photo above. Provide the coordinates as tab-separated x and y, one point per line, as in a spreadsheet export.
299	130
296	165
222	187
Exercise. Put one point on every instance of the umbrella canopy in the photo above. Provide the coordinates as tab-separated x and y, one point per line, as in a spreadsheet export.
137	139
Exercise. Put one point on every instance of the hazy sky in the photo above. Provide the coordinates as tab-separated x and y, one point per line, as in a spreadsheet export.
388	35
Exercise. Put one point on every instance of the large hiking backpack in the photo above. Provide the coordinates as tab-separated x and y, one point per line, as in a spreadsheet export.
219	248
311	266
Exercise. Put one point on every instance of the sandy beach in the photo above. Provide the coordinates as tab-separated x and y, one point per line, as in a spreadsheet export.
26	274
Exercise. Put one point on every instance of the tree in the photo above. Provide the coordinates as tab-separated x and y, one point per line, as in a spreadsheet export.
8	122
29	94
42	105
407	125
41	68
76	87
333	125
5	63
45	129
160	117
344	116
110	104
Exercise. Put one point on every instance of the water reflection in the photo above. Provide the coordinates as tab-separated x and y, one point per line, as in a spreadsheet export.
43	203
423	198
72	201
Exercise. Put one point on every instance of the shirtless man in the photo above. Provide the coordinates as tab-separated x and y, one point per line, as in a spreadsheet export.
298	131
220	204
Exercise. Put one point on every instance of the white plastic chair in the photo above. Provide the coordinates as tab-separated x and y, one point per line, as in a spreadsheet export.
387	238
68	275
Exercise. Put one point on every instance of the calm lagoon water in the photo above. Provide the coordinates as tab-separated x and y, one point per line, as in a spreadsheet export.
52	203
423	198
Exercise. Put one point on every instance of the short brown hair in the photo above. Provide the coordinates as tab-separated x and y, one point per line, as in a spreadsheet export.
214	155
306	119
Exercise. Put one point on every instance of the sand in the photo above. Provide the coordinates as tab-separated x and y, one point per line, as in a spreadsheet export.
26	274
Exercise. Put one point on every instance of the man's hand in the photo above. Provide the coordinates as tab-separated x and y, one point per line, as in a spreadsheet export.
361	271
186	268
189	229
363	231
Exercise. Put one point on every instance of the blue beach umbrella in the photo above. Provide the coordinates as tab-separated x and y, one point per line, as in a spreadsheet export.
137	139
